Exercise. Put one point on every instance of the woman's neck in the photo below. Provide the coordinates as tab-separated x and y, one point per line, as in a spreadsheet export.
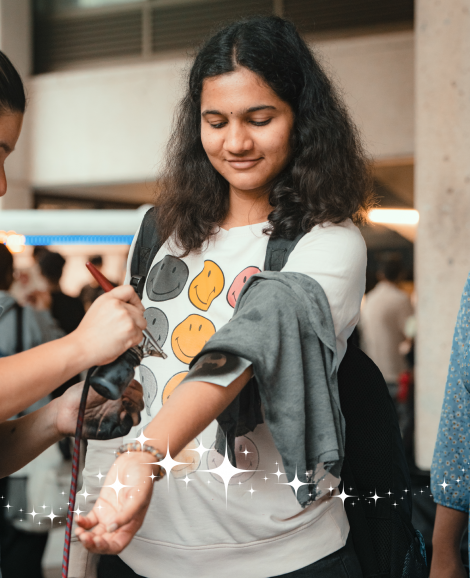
246	208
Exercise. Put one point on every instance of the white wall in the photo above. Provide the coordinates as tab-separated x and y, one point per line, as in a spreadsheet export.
110	125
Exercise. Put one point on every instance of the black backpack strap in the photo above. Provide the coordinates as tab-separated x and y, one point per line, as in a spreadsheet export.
146	247
19	328
278	252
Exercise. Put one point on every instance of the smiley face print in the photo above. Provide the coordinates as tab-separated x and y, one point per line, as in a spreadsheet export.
157	324
190	336
167	279
172	384
238	284
206	286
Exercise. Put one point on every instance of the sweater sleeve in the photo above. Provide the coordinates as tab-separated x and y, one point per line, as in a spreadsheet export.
335	256
450	460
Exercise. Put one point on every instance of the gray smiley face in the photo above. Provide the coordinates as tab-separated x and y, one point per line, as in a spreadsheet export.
149	385
167	279
157	324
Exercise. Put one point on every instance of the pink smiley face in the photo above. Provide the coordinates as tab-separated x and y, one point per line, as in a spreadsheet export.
238	283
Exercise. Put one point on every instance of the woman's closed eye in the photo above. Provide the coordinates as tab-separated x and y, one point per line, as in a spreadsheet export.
252	122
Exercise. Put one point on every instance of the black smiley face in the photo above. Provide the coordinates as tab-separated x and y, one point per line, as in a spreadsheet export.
167	279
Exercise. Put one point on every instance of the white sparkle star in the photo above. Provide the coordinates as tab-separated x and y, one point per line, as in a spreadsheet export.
265	478
78	511
51	516
395	504
406	490
186	480
142	439
331	489
458	480
278	473
295	484
44	506
201	449
226	472
99	475
343	496
444	485
389	493
8	506
117	486
85	494
376	497
252	491
168	463
33	513
246	452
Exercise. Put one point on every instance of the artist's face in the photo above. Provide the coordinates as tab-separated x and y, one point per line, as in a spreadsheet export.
245	129
10	128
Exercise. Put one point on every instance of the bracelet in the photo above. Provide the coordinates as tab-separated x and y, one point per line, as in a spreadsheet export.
136	447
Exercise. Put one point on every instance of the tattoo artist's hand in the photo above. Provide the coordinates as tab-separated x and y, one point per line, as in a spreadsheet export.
112	324
114	520
104	418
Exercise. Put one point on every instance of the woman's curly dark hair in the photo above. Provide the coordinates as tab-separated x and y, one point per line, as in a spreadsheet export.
327	178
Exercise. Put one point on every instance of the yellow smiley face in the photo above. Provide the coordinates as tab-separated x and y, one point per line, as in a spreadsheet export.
190	336
206	286
172	384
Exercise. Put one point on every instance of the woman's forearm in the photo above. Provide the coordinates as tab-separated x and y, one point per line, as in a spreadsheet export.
449	527
190	409
33	374
22	439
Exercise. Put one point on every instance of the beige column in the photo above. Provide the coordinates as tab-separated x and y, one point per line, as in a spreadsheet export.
442	197
16	43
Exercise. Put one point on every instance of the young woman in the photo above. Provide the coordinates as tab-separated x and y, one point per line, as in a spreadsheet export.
262	146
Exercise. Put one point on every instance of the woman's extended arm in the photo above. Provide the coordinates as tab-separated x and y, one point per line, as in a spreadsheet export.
113	324
190	409
26	437
449	527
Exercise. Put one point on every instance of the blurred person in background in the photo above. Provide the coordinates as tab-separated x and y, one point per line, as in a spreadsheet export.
67	310
384	315
92	290
22	328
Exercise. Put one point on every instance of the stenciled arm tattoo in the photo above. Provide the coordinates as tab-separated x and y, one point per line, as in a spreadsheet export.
218	368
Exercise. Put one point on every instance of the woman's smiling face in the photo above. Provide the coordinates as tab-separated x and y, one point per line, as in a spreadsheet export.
245	129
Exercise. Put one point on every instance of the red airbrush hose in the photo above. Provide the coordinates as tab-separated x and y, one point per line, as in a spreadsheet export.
107	286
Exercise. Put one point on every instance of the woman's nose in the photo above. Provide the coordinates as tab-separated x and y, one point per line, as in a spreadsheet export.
3	182
237	140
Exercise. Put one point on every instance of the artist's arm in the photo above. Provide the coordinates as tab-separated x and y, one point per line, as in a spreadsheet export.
449	527
113	324
22	439
189	410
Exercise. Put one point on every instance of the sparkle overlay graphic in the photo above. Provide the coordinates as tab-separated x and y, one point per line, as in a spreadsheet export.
226	472
116	485
168	463
295	484
201	449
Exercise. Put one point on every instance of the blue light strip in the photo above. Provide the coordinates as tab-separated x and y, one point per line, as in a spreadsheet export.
78	239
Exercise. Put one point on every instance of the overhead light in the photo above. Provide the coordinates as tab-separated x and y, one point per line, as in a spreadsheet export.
394	216
15	243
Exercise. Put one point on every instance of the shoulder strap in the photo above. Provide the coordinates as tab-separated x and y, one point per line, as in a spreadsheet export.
278	252
19	328
146	247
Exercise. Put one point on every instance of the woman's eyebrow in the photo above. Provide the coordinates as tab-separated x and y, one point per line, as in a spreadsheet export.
247	110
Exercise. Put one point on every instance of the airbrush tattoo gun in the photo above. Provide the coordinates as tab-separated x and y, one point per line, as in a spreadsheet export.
111	380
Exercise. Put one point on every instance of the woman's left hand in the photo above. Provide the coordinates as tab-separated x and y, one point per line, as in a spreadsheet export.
104	418
118	514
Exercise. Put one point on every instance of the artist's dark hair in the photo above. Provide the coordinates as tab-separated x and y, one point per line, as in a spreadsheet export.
12	95
327	178
6	268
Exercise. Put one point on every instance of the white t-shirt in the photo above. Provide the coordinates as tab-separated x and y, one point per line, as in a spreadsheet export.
255	529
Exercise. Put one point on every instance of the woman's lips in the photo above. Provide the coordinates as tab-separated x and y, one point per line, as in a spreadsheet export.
243	164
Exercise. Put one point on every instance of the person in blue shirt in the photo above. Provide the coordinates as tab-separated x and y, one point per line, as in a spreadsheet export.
450	470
